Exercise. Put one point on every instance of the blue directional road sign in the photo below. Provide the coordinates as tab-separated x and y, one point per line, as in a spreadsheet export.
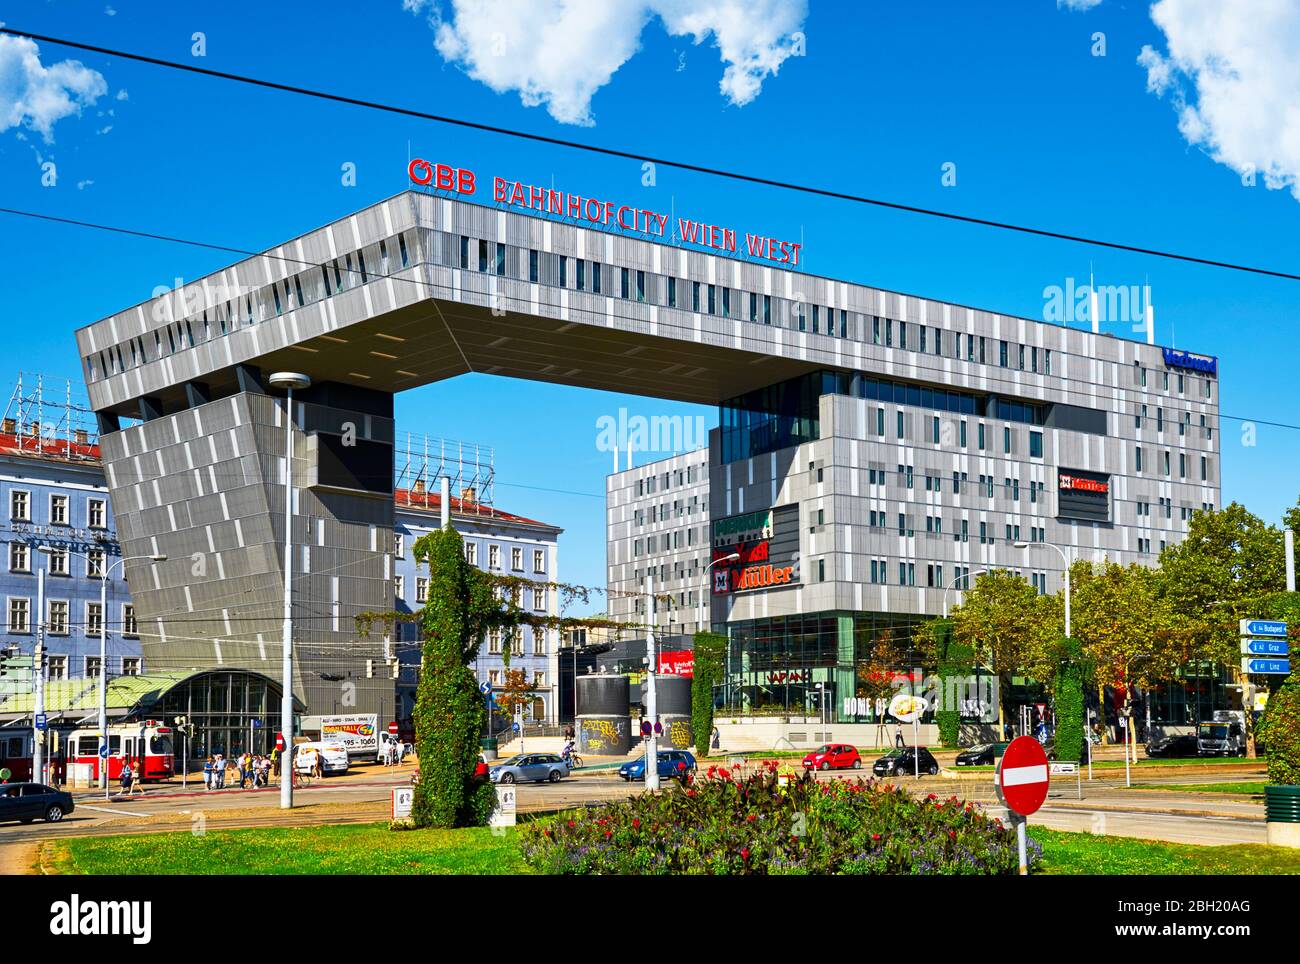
485	687
40	721
515	727
103	752
1270	667
1265	647
1263	627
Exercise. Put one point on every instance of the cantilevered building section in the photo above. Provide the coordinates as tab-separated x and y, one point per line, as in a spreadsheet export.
882	445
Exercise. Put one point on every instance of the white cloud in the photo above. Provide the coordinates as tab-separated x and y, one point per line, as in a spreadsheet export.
558	53
35	96
1232	76
122	94
1077	4
82	185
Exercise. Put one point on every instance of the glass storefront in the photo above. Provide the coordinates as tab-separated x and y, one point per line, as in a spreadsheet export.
232	711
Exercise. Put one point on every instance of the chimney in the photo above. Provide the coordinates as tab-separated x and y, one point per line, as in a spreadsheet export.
418	487
34	429
9	426
80	437
468	494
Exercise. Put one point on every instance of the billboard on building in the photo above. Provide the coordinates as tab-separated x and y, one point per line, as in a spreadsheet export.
1082	495
767	543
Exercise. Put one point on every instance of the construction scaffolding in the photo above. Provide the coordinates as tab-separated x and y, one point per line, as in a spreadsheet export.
421	462
44	417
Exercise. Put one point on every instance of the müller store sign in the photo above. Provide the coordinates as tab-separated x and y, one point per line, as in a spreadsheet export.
607	213
767	543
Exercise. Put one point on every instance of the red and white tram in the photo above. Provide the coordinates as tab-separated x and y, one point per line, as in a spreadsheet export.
147	745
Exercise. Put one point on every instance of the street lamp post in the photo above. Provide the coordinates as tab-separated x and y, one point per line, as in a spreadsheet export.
967	576
288	381
1066	560
104	572
706	611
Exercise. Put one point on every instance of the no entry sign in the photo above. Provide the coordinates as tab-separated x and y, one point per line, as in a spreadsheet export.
392	728
1023	776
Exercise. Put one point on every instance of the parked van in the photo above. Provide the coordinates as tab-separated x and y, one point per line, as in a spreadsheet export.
333	757
1226	736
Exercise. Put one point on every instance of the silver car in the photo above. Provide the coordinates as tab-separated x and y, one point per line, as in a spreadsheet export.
538	767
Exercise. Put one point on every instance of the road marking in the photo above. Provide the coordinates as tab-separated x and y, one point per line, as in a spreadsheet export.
129	813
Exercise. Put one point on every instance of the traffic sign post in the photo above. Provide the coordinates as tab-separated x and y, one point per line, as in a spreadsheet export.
1022	782
1263	627
392	728
1267	667
1265	647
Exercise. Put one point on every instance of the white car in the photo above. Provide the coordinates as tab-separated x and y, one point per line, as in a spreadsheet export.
333	757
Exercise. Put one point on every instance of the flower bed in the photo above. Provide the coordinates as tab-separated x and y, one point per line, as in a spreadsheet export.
724	824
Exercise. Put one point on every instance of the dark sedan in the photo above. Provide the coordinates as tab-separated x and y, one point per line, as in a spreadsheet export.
1174	746
985	754
906	762
26	802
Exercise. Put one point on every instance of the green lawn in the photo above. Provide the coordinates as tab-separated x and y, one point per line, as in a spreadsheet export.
1082	853
349	849
374	849
1255	789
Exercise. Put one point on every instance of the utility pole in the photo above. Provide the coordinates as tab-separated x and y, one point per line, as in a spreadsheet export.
38	667
651	703
288	381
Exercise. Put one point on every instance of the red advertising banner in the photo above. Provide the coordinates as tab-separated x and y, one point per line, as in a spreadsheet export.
678	663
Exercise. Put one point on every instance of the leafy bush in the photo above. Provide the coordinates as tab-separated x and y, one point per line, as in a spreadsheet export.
725	824
709	650
1280	732
1068	699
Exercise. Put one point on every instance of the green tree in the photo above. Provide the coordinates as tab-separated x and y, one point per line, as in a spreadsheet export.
1280	731
448	707
710	650
1128	631
955	665
1219	572
1006	624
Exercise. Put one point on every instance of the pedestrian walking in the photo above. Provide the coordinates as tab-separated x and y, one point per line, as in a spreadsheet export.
219	772
898	738
126	775
715	739
207	774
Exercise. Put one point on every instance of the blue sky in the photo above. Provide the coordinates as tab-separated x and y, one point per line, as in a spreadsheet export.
1040	131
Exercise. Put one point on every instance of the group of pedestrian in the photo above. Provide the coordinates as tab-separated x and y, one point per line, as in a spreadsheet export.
394	752
250	770
129	779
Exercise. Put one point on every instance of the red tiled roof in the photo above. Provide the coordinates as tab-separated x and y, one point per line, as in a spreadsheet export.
48	448
432	502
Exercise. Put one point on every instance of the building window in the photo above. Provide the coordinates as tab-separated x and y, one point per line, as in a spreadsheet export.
57	667
494	642
20	611
1036	445
20	506
471	553
96	514
516	558
95	563
130	665
399	587
399	545
57	620
58	510
92	667
129	627
539	641
20	557
539	599
539	560
421	589
94	619
532	266
494	557
58	561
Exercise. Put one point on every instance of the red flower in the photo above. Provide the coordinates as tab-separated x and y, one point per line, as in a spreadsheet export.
636	821
952	834
690	792
571	824
608	834
725	774
751	818
930	797
744	853
875	836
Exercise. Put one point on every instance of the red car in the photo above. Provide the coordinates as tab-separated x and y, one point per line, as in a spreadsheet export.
833	756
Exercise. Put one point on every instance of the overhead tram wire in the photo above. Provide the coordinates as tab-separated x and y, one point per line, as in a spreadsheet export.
642	157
